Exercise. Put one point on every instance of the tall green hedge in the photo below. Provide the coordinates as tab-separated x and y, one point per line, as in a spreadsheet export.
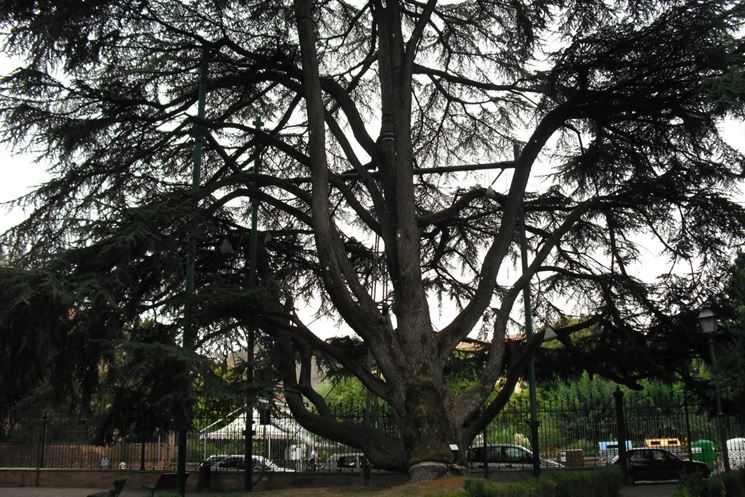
602	482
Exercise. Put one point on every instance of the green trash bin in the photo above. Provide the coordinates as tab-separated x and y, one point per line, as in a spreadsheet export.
703	450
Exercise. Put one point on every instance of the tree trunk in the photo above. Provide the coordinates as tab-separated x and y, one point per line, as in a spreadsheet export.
428	433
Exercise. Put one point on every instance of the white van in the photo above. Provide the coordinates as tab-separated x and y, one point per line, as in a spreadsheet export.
736	451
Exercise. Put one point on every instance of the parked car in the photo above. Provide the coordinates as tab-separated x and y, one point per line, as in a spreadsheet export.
237	462
212	460
353	461
505	457
660	465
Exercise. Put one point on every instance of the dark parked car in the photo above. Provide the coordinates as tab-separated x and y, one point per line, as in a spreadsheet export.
659	465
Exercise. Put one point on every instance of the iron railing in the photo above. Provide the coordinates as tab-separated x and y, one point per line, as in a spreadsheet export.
55	441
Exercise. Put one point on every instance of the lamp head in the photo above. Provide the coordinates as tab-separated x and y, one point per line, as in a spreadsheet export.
226	247
708	320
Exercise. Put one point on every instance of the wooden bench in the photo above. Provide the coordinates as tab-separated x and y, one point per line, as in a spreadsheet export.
166	481
116	489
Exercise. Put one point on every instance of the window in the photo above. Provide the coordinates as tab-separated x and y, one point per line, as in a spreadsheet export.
496	454
517	455
232	463
348	462
638	456
659	455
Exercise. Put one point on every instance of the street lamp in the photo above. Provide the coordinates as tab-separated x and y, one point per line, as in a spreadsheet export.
708	321
534	447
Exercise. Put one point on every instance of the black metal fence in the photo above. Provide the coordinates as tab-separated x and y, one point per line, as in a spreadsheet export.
683	428
570	435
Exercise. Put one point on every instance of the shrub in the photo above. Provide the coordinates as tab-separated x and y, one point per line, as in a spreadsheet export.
730	484
601	482
692	485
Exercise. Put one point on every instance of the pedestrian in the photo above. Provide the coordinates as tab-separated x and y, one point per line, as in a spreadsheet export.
312	459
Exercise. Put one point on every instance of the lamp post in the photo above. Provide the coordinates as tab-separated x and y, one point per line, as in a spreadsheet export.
190	330
687	418
251	342
708	321
534	446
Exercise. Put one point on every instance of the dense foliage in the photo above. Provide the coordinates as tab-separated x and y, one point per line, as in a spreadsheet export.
731	484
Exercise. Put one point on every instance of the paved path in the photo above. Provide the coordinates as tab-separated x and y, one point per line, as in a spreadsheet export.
65	492
659	490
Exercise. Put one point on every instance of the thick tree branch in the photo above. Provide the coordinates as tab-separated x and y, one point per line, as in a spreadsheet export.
299	331
460	204
466	319
384	451
454	78
360	312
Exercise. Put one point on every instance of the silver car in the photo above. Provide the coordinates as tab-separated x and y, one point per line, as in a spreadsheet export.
237	462
354	461
506	457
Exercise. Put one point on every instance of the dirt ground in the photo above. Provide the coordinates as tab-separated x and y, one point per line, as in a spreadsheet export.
417	489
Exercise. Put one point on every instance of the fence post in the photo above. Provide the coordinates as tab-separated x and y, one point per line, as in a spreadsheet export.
486	454
42	447
688	421
123	453
621	433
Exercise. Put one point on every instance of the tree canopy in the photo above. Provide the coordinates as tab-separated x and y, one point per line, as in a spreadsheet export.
374	112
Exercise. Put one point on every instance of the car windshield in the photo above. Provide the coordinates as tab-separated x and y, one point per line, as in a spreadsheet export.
500	454
661	455
347	461
515	454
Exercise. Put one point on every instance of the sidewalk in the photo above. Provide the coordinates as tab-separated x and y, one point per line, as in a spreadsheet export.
663	490
65	492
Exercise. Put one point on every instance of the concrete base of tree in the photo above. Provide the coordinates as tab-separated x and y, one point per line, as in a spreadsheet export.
430	470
